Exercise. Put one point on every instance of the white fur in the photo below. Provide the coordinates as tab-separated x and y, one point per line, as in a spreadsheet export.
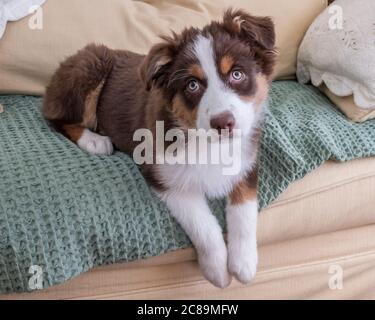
242	243
95	143
193	214
208	179
218	97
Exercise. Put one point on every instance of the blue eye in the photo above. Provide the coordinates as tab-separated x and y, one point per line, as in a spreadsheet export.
237	75
193	86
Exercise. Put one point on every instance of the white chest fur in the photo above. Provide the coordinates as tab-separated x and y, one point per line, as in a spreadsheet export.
215	179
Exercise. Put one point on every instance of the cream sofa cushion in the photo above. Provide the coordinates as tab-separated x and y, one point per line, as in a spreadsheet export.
348	106
336	196
29	57
339	50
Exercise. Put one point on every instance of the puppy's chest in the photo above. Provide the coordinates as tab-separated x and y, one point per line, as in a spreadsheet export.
214	180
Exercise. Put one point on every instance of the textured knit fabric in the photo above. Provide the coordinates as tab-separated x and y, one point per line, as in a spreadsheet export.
67	211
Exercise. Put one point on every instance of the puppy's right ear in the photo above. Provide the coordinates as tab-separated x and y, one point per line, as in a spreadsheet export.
155	65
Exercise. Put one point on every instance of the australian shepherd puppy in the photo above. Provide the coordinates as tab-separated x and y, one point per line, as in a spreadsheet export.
216	78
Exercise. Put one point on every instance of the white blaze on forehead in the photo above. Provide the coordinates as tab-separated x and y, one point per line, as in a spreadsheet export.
215	99
204	51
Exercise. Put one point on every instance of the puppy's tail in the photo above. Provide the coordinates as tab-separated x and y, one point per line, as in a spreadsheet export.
73	93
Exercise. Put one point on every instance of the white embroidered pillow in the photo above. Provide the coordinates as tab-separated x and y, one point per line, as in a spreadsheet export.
342	56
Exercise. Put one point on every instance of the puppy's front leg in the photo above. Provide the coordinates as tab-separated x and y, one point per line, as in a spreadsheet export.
194	215
242	213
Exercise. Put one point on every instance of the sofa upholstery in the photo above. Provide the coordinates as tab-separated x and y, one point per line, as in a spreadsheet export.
321	223
28	57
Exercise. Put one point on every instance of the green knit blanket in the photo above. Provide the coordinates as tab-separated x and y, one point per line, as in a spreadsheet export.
65	211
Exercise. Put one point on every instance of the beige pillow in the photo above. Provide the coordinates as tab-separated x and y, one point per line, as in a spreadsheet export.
348	106
28	57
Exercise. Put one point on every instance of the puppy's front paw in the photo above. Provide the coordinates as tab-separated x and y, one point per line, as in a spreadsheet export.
102	146
242	261
214	267
95	143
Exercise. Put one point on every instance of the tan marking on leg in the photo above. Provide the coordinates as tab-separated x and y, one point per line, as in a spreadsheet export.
245	190
91	103
73	131
226	64
183	114
197	72
242	193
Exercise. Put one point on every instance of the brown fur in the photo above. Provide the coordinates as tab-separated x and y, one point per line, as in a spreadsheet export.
72	95
186	117
261	93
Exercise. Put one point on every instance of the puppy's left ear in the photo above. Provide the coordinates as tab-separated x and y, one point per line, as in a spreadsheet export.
259	33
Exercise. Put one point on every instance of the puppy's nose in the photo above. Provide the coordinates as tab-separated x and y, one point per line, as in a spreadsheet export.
223	121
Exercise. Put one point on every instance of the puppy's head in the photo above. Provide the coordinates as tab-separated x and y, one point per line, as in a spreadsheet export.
217	77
